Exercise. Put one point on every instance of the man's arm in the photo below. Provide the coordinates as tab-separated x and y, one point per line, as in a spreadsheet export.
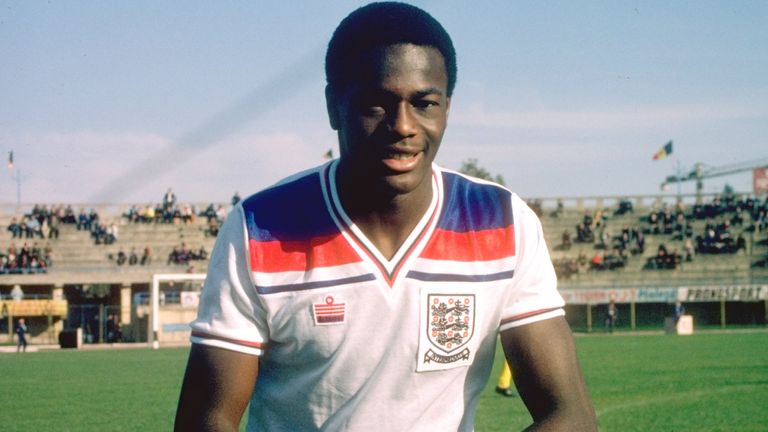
548	377
216	390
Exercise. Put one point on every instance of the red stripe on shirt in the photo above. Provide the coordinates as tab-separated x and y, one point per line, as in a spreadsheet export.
204	335
527	315
280	256
485	245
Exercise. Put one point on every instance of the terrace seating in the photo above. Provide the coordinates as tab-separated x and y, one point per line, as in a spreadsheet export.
75	251
642	268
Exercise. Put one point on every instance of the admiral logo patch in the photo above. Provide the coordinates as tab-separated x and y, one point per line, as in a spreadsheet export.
329	312
449	329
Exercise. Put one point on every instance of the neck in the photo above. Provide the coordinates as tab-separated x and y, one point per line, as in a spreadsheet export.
386	218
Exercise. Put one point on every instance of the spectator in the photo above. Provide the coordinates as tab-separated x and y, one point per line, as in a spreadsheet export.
132	214
201	254
209	213
187	214
133	258
53	226
613	260
121	258
83	221
221	213
169	200
111	234
597	261
625	206
582	260
584	233
566	241
113	329
15	228
679	311
653	223
68	216
17	294
47	254
639	244
235	199
566	267
33	227
175	256
213	228
146	257
664	259
605	238
147	214
741	243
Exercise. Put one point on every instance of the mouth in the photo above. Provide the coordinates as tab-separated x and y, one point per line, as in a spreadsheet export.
402	161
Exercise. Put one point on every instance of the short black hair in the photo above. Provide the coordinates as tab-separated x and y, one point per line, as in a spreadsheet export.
383	24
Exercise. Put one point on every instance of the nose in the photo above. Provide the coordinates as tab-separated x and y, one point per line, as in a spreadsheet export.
403	122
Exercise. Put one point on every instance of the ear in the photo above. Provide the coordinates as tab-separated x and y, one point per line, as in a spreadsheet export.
447	106
332	106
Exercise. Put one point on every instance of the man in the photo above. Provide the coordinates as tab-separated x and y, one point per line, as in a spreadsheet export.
367	294
21	334
679	311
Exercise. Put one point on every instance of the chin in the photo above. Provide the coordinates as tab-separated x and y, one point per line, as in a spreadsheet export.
403	184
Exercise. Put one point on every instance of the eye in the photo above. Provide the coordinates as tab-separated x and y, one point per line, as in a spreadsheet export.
423	104
374	110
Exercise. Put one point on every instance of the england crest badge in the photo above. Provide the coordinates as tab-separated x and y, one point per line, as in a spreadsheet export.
448	324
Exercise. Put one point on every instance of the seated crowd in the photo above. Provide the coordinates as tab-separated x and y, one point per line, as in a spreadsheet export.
718	238
132	258
170	211
27	259
723	215
182	255
664	259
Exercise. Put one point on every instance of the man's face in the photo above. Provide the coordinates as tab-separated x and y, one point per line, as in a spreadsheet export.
392	118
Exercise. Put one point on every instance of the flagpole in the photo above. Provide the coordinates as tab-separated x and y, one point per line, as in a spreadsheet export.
16	176
18	189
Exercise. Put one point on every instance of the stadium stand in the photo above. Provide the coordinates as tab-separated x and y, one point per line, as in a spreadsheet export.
620	253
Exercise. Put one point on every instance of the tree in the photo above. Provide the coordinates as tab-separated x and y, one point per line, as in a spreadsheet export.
471	167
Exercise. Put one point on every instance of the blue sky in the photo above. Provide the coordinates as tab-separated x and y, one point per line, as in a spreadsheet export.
117	101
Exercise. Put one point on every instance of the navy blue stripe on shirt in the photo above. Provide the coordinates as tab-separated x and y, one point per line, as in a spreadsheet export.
273	289
451	277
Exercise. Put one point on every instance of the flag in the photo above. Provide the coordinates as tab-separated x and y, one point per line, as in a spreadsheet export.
664	151
10	159
328	154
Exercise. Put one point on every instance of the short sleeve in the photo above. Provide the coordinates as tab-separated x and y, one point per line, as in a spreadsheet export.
534	296
230	314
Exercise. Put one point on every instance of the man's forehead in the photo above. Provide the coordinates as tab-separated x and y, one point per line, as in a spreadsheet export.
419	62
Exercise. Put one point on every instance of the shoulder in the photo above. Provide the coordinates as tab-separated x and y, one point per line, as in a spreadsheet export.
293	189
482	198
291	209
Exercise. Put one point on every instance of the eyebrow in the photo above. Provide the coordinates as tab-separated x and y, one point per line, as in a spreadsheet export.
429	91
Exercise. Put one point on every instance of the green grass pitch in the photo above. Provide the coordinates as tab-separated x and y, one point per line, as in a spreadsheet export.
705	382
